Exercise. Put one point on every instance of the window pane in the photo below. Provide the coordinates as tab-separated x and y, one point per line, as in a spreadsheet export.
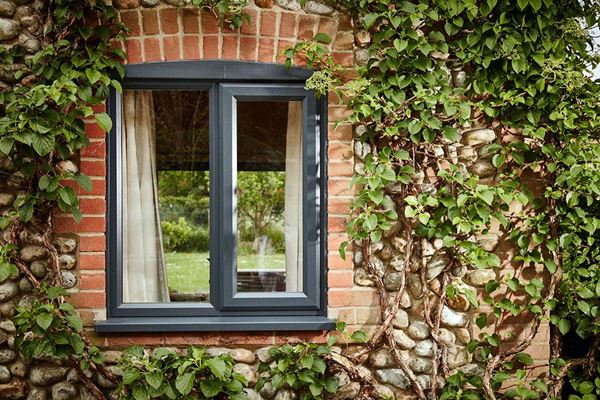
165	196
269	196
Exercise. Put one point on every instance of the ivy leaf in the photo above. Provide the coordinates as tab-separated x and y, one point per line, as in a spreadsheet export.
44	320
43	144
130	375
322	38
104	121
370	19
210	388
525	358
184	383
84	181
140	393
217	367
75	322
359	337
564	326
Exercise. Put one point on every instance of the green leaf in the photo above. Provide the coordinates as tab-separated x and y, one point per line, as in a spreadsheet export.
218	367
75	322
370	19
44	320
104	121
131	375
184	383
84	181
525	358
564	326
322	38
210	388
359	337
140	393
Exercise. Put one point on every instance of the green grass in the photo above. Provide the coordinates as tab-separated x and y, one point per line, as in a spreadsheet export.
188	272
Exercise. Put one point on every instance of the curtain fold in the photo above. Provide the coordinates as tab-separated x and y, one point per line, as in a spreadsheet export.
293	199
144	272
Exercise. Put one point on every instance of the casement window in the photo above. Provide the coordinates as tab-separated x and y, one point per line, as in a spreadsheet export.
216	200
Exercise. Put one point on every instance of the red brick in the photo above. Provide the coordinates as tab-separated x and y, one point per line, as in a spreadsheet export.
191	20
133	50
344	59
150	22
171	47
88	299
340	151
268	23
218	339
309	337
339	113
66	224
130	19
248	48
306	27
94	150
152	49
343	314
98	108
334	241
210	46
344	23
87	282
335	261
169	20
98	187
191	47
92	206
266	50
336	224
339	188
93	168
120	340
342	132
250	27
230	47
344	41
287	25
92	261
338	206
342	169
92	243
339	298
327	26
93	130
340	279
282	45
209	23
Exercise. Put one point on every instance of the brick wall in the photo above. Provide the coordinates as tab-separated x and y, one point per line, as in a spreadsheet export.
166	33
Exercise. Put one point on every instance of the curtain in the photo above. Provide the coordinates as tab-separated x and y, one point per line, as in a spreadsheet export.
293	198
144	275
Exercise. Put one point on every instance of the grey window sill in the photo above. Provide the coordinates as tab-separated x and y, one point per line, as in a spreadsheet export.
214	324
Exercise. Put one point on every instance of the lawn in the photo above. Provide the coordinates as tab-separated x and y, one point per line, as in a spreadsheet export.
188	272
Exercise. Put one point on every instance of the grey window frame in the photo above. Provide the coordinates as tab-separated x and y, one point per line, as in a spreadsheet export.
226	82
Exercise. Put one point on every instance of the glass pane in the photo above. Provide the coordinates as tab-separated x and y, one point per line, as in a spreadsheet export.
269	196
165	196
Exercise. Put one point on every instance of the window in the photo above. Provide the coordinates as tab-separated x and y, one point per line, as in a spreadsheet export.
216	200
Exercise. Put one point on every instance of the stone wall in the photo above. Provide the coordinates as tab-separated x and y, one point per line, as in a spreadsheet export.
159	32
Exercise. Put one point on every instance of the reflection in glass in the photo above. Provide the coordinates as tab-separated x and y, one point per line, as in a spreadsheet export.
269	196
165	196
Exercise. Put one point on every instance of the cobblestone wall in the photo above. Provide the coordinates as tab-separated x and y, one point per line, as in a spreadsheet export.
161	31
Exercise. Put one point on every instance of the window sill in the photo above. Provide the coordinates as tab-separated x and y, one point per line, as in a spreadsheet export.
214	324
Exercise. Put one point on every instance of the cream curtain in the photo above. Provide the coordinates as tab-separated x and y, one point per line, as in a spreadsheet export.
144	275
293	198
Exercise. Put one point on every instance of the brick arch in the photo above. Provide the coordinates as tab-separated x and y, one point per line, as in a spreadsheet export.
169	34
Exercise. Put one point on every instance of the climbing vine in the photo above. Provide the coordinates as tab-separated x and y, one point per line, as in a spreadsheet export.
474	118
480	117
